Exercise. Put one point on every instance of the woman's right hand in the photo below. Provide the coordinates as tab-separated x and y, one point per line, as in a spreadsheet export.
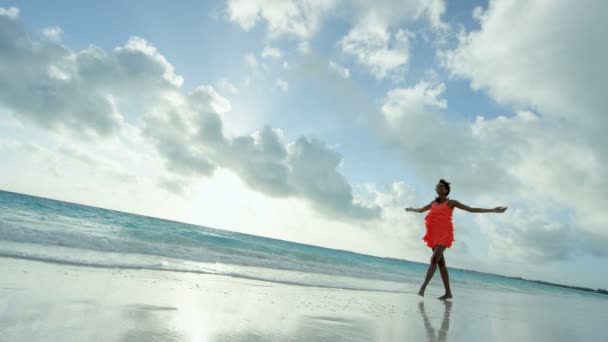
410	209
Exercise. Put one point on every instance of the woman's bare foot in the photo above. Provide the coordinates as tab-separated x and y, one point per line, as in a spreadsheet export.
421	292
446	296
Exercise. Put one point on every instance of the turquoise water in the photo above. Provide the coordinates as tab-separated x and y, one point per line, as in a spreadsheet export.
53	231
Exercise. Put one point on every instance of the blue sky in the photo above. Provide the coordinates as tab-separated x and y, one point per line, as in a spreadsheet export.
319	121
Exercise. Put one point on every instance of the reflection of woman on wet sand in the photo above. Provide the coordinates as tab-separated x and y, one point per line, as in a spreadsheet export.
445	323
440	232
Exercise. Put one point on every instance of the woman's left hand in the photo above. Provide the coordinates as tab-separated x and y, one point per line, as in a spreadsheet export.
500	209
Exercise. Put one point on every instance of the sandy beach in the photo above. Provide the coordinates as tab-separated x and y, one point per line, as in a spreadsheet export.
51	302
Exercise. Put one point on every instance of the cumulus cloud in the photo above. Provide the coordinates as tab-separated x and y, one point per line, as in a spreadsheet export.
402	232
564	173
11	12
54	87
394	12
376	40
188	133
303	18
521	56
300	18
529	236
53	33
504	160
314	173
434	10
373	46
548	156
59	89
190	138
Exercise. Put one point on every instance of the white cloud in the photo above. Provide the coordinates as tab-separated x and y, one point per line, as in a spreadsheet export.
54	87
303	18
137	46
12	12
300	18
228	86
529	236
83	91
207	99
53	33
283	85
414	104
340	70
271	53
434	10
514	161
396	12
373	46
190	138
523	56
562	173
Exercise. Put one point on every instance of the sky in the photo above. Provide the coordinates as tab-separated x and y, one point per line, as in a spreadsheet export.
319	121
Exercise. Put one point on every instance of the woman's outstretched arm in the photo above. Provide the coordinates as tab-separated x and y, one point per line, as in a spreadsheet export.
465	207
420	210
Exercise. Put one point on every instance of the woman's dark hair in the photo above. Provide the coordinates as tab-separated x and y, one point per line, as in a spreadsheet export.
447	186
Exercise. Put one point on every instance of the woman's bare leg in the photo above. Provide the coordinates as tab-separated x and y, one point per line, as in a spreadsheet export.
443	270
437	255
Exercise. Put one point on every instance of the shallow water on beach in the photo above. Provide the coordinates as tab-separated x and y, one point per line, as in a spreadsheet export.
72	271
40	229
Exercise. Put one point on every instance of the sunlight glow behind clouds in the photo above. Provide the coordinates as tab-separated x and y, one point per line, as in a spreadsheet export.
186	129
539	147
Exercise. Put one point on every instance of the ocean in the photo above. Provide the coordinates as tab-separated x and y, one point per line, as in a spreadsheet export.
46	230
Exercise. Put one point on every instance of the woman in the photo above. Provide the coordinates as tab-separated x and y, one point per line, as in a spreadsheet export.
440	232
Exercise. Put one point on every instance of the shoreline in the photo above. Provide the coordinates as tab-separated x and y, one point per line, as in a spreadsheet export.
598	291
41	301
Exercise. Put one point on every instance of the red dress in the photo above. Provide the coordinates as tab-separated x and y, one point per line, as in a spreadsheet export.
439	229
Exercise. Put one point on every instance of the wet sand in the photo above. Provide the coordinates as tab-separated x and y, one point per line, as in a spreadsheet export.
49	302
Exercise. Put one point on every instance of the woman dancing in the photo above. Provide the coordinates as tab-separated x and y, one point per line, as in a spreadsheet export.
440	232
